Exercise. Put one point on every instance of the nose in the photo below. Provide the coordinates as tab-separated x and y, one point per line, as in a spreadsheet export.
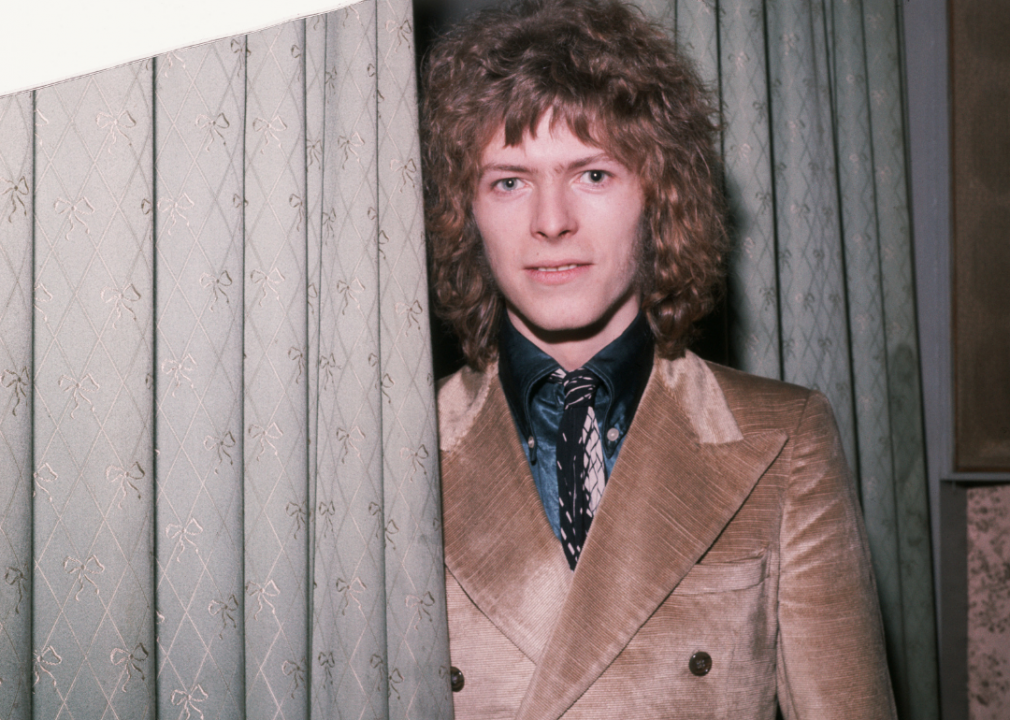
553	217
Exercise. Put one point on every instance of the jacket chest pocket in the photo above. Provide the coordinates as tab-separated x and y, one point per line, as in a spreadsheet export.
707	578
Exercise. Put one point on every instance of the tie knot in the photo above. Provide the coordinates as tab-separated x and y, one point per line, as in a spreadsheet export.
580	387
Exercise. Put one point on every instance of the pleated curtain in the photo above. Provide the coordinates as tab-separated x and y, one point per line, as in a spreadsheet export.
218	469
821	282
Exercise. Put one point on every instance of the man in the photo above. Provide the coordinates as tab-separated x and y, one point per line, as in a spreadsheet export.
630	532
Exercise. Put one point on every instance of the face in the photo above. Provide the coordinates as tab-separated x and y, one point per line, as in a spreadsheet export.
560	224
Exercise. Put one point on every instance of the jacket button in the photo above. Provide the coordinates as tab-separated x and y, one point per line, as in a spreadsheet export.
699	664
456	679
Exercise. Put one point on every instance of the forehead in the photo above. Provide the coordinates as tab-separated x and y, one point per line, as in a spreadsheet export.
553	138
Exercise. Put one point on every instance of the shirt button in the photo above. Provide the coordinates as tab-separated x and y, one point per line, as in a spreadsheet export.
456	679
531	442
613	434
700	663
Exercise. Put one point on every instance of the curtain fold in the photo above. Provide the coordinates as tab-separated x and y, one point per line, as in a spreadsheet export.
219	490
821	286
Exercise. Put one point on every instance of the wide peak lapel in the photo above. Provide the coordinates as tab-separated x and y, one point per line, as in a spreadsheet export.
667	501
498	543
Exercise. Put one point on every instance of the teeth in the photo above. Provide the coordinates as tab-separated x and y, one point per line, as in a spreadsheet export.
556	269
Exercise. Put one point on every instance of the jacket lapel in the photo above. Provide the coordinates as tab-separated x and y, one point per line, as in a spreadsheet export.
683	472
498	543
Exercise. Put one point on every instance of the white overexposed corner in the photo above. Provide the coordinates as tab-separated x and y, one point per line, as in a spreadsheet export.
45	41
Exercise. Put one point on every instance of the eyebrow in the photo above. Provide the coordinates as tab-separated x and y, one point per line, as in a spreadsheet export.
575	165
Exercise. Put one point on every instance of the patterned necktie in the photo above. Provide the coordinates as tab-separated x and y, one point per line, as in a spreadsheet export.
581	476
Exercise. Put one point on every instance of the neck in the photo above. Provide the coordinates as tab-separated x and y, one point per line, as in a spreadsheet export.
574	348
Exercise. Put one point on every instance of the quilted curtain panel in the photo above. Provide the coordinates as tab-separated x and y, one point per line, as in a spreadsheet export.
821	286
218	480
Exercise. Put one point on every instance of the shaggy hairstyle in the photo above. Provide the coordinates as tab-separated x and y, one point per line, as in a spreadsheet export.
616	80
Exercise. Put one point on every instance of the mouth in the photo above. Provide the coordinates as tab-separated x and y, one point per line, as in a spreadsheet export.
556	268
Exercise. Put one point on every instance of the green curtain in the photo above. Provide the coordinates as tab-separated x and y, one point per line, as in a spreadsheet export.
218	468
821	286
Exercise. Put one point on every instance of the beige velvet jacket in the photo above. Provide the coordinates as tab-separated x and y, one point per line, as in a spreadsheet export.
729	525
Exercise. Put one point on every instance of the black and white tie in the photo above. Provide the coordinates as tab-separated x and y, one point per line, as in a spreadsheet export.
581	476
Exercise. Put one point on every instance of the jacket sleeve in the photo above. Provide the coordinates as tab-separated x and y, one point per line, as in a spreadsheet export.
832	662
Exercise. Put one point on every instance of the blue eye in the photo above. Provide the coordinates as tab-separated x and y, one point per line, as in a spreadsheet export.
508	183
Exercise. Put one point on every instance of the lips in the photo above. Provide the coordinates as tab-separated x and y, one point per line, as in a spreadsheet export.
557	268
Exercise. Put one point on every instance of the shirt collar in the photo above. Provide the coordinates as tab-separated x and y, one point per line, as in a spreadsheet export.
623	367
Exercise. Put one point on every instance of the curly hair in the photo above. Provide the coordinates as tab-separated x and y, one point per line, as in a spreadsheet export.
619	84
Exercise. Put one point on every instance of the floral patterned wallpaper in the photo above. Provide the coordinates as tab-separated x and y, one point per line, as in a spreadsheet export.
988	602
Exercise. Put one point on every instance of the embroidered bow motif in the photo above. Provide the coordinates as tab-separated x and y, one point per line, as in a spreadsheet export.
217	284
326	510
79	390
188	701
407	172
221	445
329	223
327	364
404	32
417	458
17	579
391	529
42	295
375	510
268	283
116	123
176	210
226	609
298	356
311	295
18	383
263	436
82	572
421	606
18	191
262	595
347	14
327	663
349	440
76	212
126	477
395	678
412	312
349	292
183	536
349	592
122	299
179	370
347	146
167	61
385	384
313	151
270	129
131	660
45	660
296	672
296	202
46	475
299	512
378	663
214	127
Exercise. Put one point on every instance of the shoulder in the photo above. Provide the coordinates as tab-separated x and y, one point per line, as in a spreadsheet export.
759	402
460	398
756	403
